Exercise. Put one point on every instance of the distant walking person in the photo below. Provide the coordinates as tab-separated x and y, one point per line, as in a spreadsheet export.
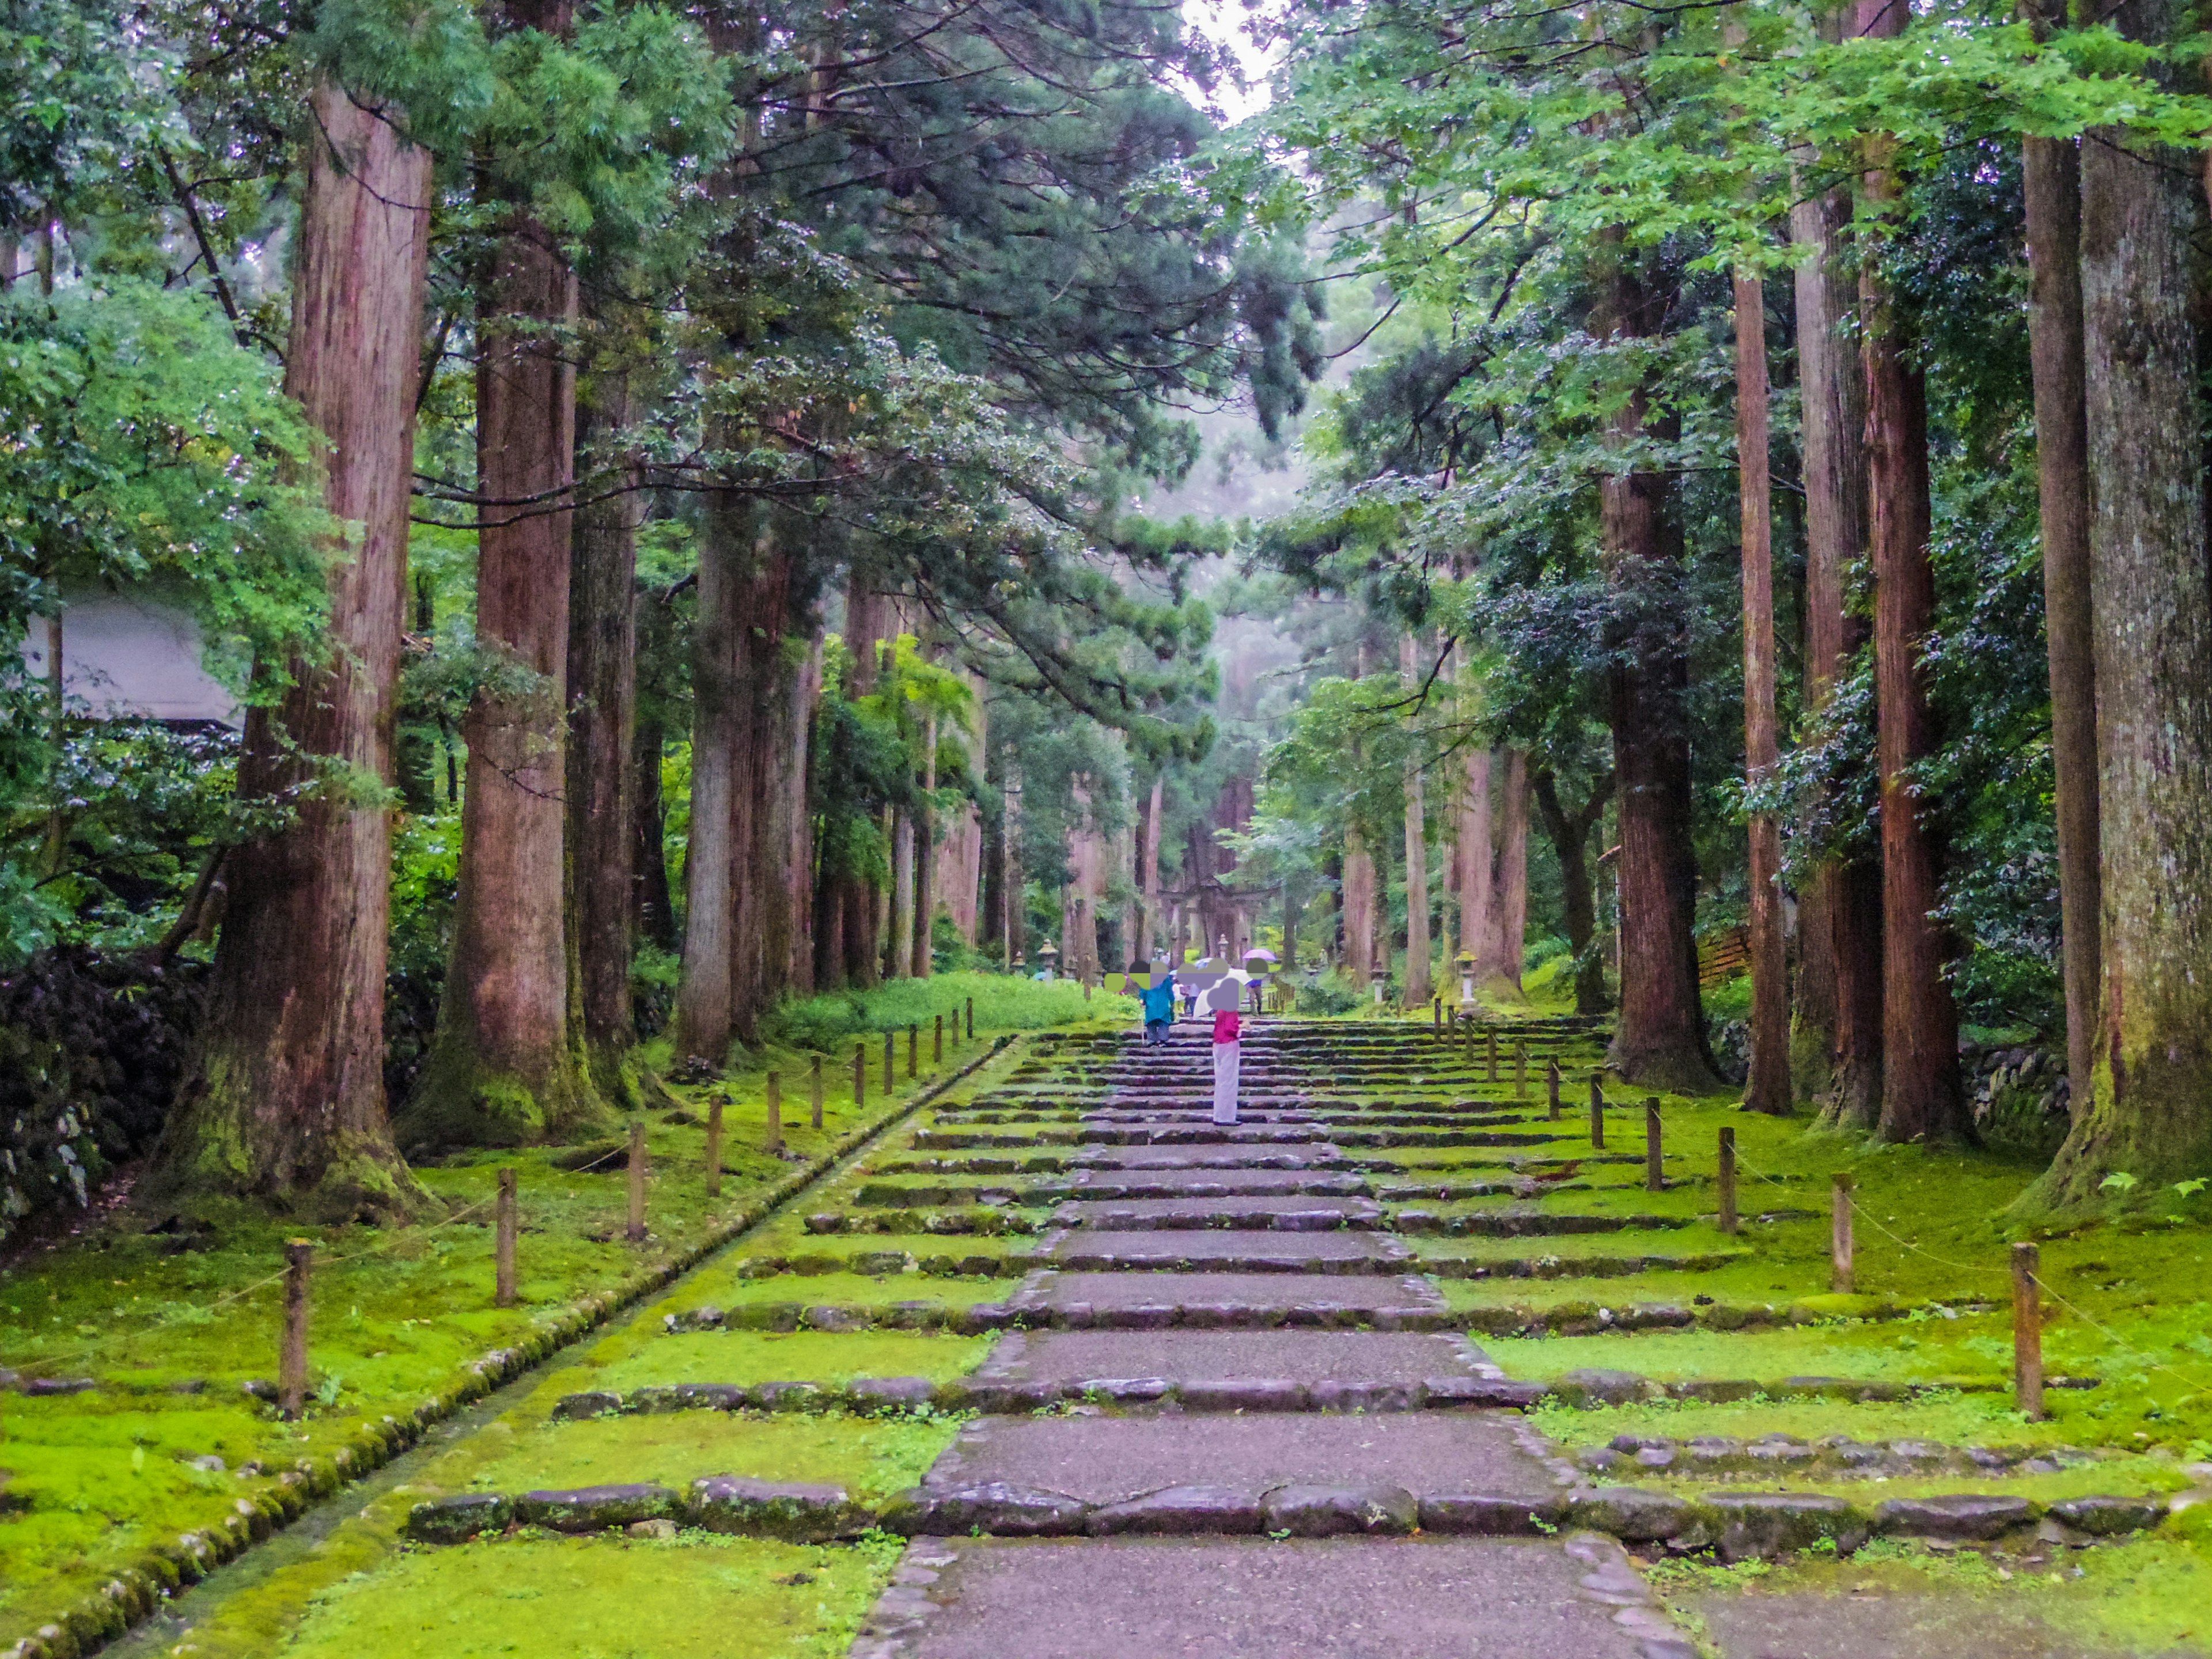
1222	999
1157	999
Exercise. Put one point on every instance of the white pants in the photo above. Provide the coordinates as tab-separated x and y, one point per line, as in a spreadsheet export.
1225	1081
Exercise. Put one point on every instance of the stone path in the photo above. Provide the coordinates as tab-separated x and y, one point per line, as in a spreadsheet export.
1200	1283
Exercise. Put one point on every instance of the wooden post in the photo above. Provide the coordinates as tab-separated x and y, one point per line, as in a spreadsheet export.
890	1061
971	1019
914	1051
1520	1070
775	1111
1491	1044
2027	1332
1724	1182
937	1045
715	1147
637	1181
1840	1236
1551	1086
292	1362
1437	1015
859	1075
504	1229
1597	1114
1470	1039
1655	1167
1087	987
818	1091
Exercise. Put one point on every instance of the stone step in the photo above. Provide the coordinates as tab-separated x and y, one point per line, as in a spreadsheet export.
1256	1598
1372	1360
1106	1460
1246	1214
1204	1250
1515	1221
1229	1301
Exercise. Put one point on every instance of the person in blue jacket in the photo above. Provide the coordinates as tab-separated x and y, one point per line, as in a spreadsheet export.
1157	999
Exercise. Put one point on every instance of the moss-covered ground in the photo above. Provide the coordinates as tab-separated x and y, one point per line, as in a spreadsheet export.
173	1323
2127	1307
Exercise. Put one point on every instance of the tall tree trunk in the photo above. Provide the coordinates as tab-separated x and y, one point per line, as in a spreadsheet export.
1839	1053
795	813
925	858
702	992
1474	856
1358	908
899	946
1769	1086
506	1068
1149	871
1568	833
602	732
1660	1038
1921	1099
765	672
1417	970
285	1098
2052	172
867	613
1014	893
2151	1115
1507	937
654	905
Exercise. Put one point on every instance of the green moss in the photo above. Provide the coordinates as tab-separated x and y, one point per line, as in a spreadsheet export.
747	1356
872	1457
697	1597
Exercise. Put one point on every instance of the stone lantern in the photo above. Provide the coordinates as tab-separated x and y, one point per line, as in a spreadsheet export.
1047	958
1381	976
1465	960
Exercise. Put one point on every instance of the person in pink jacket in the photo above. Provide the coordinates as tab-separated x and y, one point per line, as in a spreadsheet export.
1221	1000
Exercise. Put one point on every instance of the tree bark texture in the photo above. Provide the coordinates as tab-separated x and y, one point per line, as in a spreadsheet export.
1838	1004
867	618
1473	849
1921	1096
898	948
602	734
1506	941
1769	1085
1148	873
2052	174
764	670
703	991
1418	966
2151	1116
793	826
925	858
285	1099
1359	906
1660	1037
506	1068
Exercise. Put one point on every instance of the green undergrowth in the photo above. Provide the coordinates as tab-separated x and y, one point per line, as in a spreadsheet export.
696	1597
749	1357
1950	1419
720	1287
1002	1003
872	1457
89	1482
2150	1594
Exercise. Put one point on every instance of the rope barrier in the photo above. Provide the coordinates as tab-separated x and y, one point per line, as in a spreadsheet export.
2042	1286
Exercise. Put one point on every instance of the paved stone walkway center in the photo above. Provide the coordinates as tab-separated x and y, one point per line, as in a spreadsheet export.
1247	1323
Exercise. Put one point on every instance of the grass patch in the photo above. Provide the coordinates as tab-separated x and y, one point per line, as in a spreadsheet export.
695	1597
747	1357
871	1457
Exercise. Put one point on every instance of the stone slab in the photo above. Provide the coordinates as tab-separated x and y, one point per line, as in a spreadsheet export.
1108	1460
1098	1185
1168	1246
1304	1211
1379	1357
1815	1624
1295	1155
1234	1598
1269	1291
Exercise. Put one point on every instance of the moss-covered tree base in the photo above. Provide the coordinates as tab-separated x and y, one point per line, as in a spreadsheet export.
219	1149
461	1100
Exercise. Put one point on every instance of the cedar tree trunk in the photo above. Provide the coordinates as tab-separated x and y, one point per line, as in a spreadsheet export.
285	1097
1569	832
2151	1116
1921	1096
1768	1090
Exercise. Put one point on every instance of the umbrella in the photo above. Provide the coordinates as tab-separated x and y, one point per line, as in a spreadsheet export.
1261	954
